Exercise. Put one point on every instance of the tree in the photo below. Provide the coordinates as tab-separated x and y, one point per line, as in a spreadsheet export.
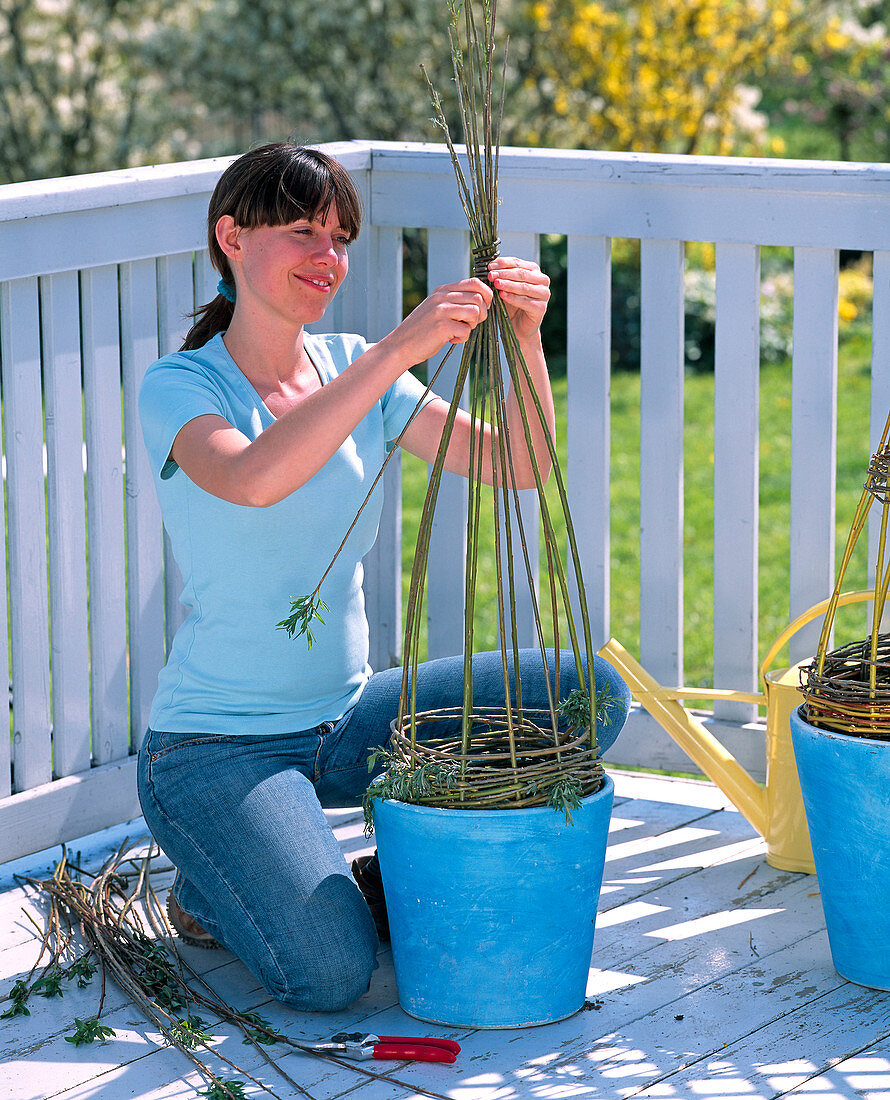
80	89
262	69
652	75
839	88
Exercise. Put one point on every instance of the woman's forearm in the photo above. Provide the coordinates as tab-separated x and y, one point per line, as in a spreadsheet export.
294	448
283	457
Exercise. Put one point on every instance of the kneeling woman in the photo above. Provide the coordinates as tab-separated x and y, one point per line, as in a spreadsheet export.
264	439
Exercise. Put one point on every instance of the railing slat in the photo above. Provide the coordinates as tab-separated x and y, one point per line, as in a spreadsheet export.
206	278
175	301
69	633
145	546
661	460
736	469
588	418
813	436
383	565
26	516
105	513
448	252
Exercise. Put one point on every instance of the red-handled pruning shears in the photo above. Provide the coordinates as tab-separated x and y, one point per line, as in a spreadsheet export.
358	1047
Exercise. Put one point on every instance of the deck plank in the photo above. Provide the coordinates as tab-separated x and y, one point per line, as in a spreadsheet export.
771	1062
711	976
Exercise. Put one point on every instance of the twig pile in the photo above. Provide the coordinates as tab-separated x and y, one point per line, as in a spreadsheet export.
124	936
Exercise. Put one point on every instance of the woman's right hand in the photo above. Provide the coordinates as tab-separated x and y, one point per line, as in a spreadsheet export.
447	316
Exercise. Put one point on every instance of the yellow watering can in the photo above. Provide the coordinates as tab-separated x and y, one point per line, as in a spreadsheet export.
775	810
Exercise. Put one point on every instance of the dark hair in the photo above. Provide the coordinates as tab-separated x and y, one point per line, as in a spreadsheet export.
272	185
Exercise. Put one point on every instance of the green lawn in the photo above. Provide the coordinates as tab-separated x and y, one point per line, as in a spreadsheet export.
853	450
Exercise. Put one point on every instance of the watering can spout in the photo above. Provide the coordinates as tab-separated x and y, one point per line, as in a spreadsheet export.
699	744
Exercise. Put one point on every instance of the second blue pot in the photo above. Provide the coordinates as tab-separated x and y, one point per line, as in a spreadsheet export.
845	783
492	912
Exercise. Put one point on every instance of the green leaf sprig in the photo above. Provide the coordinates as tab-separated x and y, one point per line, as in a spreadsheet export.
88	1031
261	1031
191	1032
565	795
575	708
225	1090
304	611
404	783
83	970
19	996
49	984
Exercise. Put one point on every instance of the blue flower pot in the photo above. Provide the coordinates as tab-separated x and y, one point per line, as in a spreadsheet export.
491	912
845	783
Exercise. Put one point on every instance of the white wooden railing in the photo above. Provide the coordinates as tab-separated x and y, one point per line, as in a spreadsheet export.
97	274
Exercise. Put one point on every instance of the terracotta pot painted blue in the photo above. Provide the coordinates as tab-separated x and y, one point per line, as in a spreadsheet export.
492	912
845	783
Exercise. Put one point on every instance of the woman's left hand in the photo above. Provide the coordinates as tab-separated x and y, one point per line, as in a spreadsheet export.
524	290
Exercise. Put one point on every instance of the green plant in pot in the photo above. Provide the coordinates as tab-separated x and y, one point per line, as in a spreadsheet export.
841	736
491	820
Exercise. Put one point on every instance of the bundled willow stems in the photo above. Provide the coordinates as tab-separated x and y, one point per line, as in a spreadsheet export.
510	756
848	689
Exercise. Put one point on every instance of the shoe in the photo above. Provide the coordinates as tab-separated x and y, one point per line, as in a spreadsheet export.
366	872
187	928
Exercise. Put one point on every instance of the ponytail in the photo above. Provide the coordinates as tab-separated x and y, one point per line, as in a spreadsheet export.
215	317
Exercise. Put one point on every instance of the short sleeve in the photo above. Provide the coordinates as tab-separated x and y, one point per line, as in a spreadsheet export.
173	392
399	402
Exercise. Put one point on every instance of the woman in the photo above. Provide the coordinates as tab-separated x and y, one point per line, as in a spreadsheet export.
264	440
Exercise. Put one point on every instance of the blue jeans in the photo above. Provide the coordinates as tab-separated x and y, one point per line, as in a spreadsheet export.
240	815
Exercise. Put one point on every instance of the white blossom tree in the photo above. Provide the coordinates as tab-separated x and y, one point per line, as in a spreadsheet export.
84	85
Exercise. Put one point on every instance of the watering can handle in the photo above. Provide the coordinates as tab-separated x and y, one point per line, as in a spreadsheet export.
807	617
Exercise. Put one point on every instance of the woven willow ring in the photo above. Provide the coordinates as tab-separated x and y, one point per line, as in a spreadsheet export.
878	473
490	776
852	693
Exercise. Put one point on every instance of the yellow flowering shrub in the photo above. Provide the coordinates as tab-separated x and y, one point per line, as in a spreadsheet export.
855	292
658	75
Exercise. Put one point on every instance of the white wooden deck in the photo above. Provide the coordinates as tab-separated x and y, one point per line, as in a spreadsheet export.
711	977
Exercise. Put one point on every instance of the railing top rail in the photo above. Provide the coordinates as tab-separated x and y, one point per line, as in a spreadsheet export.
641	195
671	170
37	198
94	190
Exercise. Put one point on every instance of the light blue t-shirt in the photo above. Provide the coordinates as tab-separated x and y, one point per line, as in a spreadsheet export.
229	668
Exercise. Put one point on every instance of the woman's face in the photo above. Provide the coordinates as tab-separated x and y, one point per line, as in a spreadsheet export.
294	270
